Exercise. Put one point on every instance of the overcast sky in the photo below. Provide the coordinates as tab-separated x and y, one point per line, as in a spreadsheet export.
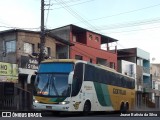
135	23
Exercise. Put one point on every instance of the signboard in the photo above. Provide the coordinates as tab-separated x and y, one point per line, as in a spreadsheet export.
8	72
29	63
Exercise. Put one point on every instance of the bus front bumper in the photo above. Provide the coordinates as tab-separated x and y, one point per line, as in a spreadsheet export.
51	107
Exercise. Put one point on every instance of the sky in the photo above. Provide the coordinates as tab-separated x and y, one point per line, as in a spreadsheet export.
134	23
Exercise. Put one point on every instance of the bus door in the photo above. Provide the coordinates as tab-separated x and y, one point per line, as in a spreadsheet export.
76	95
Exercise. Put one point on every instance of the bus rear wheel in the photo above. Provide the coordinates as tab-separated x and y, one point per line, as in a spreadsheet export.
86	108
122	108
127	106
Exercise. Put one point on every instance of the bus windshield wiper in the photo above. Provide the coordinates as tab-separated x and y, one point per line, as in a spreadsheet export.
52	85
45	87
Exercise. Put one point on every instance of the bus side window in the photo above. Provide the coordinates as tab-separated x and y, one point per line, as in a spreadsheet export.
118	80
77	79
89	73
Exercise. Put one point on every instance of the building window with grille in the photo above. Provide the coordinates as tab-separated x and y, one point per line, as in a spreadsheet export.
10	46
28	48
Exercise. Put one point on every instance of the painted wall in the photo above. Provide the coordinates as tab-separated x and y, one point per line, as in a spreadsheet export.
93	40
92	53
143	54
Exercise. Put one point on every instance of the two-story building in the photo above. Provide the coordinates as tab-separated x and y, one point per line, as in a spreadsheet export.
87	45
16	48
141	73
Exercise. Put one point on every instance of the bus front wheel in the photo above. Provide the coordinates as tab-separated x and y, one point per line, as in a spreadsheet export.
87	107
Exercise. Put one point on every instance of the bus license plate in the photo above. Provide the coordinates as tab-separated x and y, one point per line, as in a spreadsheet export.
49	107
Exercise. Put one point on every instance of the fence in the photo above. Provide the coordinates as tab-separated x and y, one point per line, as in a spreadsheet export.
19	100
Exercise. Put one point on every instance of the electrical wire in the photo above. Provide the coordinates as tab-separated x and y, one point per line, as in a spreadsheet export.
75	14
69	1
140	29
48	12
38	28
73	4
129	24
122	13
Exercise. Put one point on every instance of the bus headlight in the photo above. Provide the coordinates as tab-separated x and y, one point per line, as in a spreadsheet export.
64	102
36	101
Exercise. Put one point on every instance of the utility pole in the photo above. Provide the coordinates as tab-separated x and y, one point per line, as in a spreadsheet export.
42	34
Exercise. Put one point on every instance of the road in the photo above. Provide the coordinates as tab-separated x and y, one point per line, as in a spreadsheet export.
73	116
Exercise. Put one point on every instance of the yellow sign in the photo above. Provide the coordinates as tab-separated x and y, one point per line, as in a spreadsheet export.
8	72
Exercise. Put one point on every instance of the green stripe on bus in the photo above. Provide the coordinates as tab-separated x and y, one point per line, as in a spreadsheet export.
60	99
102	94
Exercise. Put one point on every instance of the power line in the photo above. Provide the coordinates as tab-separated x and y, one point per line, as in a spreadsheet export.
127	12
75	14
129	24
157	27
48	12
69	1
20	28
132	24
74	4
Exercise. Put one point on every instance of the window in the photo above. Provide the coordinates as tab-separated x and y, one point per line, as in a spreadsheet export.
62	55
90	37
153	84
159	87
10	46
97	39
89	73
77	79
74	38
107	77
90	60
112	65
47	51
78	57
28	48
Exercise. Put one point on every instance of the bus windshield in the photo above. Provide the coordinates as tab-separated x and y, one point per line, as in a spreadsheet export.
52	84
52	79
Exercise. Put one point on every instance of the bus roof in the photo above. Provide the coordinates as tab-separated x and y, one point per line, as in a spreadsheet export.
95	65
59	60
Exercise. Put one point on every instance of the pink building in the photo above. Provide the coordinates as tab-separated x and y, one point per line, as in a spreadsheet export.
87	46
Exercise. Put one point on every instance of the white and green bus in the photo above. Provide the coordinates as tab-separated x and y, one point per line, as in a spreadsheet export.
75	85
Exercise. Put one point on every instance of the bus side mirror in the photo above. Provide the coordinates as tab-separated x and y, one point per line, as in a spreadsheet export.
70	78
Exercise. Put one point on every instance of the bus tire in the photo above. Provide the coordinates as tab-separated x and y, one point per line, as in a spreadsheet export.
122	108
127	106
87	107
